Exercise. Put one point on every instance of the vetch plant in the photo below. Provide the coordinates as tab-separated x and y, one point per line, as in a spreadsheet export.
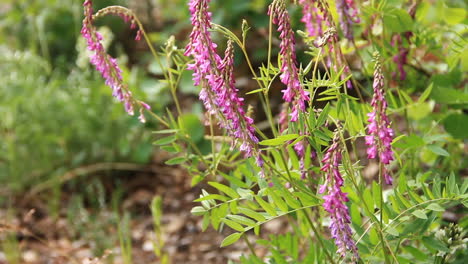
307	162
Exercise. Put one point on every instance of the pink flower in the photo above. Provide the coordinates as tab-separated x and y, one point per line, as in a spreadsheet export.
294	93
335	201
380	134
215	76
105	64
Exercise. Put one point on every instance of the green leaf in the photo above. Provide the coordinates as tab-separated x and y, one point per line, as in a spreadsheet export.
457	125
278	201
323	115
368	199
398	21
451	184
454	16
392	231
225	189
426	93
233	207
252	214
165	140
242	220
438	150
214	197
416	253
306	200
206	221
289	198
193	126
232	224
376	193
420	214
231	239
198	210
418	111
266	206
434	244
435	207
279	140
176	161
355	214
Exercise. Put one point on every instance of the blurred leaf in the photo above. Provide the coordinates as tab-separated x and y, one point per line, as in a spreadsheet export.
457	125
438	150
193	126
398	21
279	140
419	214
176	161
435	207
454	16
231	239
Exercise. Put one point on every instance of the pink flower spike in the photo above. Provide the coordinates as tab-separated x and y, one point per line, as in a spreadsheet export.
379	133
103	62
334	201
294	92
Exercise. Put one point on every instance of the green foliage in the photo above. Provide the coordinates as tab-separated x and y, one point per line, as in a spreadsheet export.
42	90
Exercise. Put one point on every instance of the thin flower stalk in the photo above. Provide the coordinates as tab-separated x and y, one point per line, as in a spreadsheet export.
379	133
294	92
215	77
335	201
107	65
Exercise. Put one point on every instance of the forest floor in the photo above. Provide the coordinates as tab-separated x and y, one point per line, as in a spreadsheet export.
44	238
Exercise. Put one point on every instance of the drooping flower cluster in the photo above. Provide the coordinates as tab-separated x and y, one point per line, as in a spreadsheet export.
238	124
215	76
335	201
107	65
294	92
348	15
379	133
124	13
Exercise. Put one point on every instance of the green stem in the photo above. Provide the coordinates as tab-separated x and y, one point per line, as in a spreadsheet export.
319	237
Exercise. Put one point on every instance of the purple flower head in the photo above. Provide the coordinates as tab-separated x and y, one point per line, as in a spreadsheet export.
335	199
379	133
215	76
104	63
203	50
348	15
294	93
237	123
